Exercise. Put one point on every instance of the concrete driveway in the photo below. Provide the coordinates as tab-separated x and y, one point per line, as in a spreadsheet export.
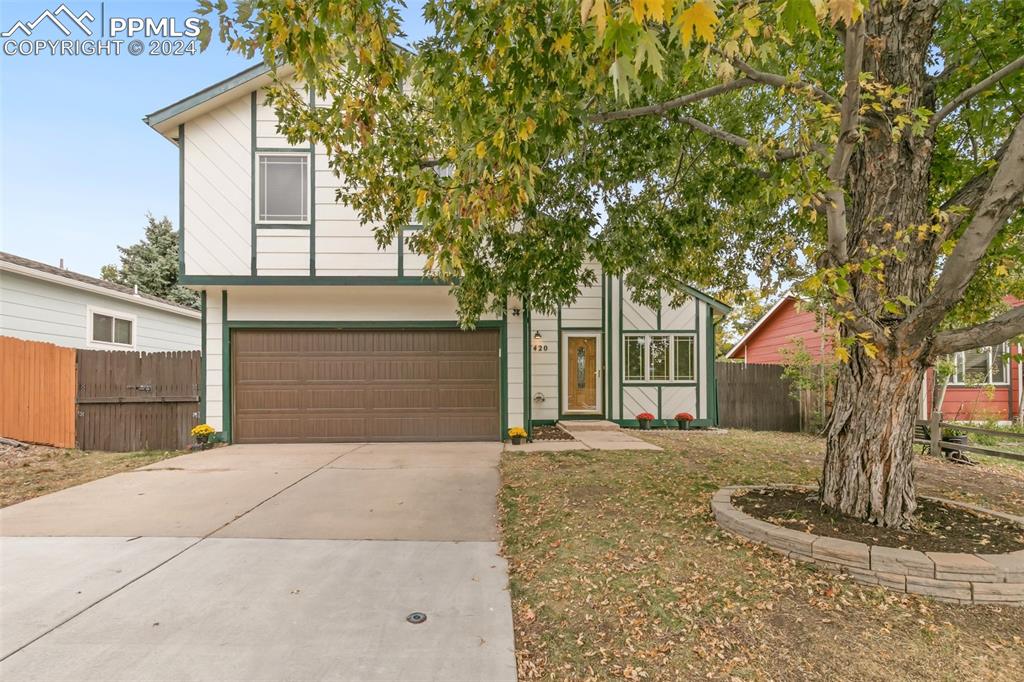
271	562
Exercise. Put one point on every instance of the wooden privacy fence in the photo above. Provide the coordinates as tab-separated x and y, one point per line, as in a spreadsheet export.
136	401
756	397
37	392
98	400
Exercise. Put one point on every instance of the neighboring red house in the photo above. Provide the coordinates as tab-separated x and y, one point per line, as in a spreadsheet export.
987	384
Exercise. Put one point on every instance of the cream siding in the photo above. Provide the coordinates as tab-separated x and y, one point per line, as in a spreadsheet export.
514	349
282	252
37	310
215	359
216	193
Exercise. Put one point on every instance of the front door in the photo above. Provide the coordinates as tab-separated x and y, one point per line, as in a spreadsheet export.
581	371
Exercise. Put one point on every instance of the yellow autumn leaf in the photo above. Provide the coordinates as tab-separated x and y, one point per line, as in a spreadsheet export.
526	130
847	10
421	197
1002	271
656	10
697	20
481	149
638	10
842	354
601	16
871	350
452	152
562	44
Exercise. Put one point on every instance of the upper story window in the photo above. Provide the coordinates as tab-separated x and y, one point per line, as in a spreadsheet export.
283	187
660	357
988	365
111	328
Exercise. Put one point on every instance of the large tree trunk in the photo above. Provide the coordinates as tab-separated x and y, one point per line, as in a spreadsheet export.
868	471
869	467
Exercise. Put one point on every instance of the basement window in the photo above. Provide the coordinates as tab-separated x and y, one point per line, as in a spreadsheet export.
283	188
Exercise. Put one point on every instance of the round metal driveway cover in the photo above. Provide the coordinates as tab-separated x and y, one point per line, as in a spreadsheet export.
416	617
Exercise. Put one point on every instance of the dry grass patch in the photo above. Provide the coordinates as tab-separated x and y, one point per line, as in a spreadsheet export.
619	571
37	470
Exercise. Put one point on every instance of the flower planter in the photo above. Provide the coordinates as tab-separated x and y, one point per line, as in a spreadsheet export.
683	424
516	440
645	424
959	440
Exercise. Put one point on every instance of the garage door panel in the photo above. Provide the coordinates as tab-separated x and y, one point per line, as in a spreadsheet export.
353	385
316	398
268	398
332	369
269	369
405	369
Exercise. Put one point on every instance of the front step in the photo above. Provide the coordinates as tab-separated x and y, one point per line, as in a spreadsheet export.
574	426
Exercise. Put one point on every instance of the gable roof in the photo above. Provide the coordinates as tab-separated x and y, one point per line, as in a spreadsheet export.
166	120
734	351
32	268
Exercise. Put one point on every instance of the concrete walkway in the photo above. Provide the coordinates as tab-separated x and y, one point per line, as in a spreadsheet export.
589	434
263	563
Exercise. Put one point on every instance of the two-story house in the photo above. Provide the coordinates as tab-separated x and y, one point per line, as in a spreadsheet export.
312	333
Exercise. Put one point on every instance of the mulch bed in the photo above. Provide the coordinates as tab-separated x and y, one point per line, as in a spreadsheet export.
940	528
550	433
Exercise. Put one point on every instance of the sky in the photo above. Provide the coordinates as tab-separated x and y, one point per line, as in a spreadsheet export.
79	169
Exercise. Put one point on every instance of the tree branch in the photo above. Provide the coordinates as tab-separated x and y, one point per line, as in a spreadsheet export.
1004	196
849	119
968	198
778	81
954	104
784	154
998	329
662	108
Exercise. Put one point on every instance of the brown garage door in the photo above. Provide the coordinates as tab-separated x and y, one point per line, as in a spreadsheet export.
374	385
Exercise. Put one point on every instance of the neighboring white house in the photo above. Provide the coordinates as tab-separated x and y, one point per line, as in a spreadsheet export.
40	302
312	333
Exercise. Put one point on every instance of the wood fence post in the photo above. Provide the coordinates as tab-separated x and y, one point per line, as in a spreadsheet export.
935	433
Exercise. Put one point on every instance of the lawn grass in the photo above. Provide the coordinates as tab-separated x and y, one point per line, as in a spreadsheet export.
38	470
618	571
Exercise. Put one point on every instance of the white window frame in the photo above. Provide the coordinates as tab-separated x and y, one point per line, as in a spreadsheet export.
259	187
960	360
117	315
647	336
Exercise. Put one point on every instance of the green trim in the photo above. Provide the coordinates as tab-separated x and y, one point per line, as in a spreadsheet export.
657	313
280	150
696	357
558	358
181	201
604	345
712	378
225	333
401	252
312	193
252	183
283	226
660	415
356	324
609	364
202	357
660	331
205	95
527	368
306	280
713	302
622	354
582	329
504	376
